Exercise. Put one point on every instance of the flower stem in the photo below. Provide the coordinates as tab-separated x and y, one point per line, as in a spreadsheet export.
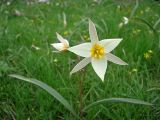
81	96
80	90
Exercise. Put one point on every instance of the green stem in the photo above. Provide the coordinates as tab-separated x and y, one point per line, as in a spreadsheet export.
80	97
80	90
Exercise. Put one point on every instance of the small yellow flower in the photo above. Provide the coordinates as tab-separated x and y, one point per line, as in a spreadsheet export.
86	38
141	12
55	60
134	70
65	33
136	31
147	55
150	51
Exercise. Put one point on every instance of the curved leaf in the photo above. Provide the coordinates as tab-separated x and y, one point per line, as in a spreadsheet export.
156	35
156	24
153	89
50	90
120	100
146	23
134	9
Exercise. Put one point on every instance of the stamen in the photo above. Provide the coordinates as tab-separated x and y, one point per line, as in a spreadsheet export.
97	51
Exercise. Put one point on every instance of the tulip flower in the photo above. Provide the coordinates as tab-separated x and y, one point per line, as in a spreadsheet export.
64	45
97	52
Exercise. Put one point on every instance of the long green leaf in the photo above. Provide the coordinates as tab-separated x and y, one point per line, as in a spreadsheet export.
120	100
50	90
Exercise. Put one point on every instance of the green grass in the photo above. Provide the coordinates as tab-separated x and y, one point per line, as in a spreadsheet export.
37	25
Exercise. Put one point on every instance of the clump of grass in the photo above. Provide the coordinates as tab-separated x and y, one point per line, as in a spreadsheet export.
37	25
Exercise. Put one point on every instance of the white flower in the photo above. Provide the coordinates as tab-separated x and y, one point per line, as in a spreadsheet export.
97	52
125	20
64	45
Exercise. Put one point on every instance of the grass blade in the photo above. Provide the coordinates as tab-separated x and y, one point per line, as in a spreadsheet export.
141	20
156	24
153	89
47	88
134	9
118	100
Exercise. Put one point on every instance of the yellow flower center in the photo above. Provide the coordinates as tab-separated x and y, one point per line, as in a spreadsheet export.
97	51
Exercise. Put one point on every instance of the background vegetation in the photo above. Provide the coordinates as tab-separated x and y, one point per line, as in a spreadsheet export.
27	28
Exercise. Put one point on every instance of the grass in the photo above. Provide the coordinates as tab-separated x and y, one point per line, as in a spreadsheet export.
36	24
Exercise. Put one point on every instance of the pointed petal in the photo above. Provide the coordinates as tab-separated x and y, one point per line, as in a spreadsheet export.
58	46
60	38
81	65
93	32
115	59
82	49
100	66
110	44
66	43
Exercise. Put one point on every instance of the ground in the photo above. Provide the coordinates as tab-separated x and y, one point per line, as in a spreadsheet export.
27	28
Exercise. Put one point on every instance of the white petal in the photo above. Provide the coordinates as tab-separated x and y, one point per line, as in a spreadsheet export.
115	59
110	44
82	49
81	65
100	66
58	46
125	19
93	32
66	44
61	39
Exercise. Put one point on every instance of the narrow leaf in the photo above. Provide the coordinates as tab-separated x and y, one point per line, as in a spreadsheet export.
134	9
157	23
153	89
120	100
47	88
149	25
